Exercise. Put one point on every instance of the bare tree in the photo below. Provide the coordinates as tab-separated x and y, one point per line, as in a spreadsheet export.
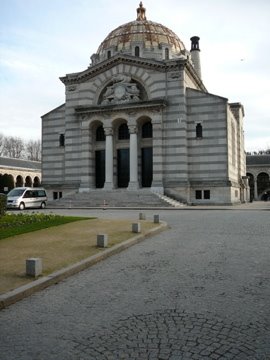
2	141
13	147
33	150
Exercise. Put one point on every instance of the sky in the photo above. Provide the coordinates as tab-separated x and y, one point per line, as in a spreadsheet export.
42	40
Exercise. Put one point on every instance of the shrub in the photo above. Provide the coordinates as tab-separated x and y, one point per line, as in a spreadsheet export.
3	204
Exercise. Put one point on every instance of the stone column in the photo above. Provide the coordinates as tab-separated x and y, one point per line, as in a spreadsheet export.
108	159
157	182
133	159
255	188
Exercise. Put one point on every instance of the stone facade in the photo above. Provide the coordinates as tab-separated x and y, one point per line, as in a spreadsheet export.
140	116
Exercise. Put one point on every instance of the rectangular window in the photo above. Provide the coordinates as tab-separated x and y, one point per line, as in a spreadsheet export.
206	194
198	194
199	131
61	140
236	193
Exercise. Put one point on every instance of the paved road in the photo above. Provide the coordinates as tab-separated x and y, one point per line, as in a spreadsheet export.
200	290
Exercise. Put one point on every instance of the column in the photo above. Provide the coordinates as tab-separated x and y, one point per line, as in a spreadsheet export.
133	159
157	183
108	159
255	188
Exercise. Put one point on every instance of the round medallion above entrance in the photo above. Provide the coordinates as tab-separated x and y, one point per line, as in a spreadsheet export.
119	92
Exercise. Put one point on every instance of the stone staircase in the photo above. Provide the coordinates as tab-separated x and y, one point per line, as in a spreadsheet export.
170	201
142	198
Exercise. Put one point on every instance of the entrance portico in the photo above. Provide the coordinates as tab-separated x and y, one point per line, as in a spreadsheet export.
125	145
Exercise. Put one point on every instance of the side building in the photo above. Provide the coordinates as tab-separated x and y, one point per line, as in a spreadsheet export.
140	116
258	172
18	172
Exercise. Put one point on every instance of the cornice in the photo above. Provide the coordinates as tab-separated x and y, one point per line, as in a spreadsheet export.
162	66
154	105
92	71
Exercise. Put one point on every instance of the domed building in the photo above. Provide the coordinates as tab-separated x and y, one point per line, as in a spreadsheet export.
140	117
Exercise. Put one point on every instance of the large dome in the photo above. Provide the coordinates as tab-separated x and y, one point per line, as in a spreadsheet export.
151	38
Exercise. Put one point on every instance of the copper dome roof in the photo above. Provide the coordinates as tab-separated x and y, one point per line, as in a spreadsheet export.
151	34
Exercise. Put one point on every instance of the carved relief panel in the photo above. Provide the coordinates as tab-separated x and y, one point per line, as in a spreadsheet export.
121	90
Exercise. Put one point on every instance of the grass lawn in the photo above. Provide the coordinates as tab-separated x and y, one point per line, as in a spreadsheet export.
16	224
58	246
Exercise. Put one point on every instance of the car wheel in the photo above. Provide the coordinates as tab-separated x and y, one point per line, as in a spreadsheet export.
42	205
21	206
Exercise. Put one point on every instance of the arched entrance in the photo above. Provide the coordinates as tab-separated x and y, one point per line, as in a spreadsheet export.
6	183
36	181
99	136
19	181
263	184
146	154
28	181
123	156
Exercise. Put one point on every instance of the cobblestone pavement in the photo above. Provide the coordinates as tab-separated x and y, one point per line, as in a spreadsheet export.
200	290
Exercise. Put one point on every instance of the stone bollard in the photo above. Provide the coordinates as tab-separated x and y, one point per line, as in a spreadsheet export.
136	228
102	240
142	216
33	267
156	219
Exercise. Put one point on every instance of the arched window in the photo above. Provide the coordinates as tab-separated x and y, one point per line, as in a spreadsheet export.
100	135
123	132
137	51
147	130
61	140
166	54
199	131
109	54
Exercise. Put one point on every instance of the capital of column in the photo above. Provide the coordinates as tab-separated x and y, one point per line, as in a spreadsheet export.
108	131
132	129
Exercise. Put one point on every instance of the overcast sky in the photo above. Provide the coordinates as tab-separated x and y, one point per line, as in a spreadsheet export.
41	40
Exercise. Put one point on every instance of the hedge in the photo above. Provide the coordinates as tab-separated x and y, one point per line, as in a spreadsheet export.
3	204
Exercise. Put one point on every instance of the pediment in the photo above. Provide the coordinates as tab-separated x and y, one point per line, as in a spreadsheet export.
99	68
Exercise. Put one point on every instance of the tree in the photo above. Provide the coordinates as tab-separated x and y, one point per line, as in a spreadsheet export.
33	150
2	141
13	147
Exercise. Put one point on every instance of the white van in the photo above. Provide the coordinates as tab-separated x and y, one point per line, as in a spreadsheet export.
26	197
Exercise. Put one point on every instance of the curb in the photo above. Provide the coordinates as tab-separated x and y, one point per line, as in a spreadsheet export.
24	291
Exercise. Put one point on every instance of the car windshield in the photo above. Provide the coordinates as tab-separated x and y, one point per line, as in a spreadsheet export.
16	192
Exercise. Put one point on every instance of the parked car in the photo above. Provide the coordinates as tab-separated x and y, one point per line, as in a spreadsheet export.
26	197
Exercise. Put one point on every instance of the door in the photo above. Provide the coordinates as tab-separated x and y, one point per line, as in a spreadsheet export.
147	166
122	168
100	168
